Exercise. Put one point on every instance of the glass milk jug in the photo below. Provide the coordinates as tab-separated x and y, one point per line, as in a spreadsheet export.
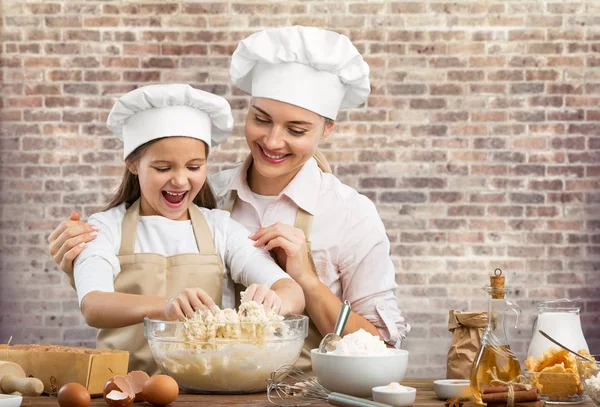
560	320
495	356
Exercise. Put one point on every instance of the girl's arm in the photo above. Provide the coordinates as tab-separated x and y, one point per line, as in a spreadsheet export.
108	310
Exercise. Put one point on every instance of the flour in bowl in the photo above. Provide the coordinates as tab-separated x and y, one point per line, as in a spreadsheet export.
361	343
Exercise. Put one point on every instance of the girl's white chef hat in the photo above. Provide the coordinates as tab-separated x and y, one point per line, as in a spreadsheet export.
157	111
316	69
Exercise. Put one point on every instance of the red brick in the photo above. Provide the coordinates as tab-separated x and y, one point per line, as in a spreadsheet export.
447	62
406	89
118	62
427	103
506	75
141	76
80	89
61	101
542	75
195	49
466	76
519	88
65	75
566	115
526	35
565	61
402	197
41	62
545	101
447	197
63	22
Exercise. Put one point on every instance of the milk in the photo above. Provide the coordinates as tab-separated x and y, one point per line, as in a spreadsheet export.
564	326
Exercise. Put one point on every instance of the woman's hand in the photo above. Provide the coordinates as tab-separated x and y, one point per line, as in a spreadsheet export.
291	251
187	303
68	240
262	294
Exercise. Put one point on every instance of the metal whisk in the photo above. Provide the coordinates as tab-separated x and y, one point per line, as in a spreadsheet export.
290	386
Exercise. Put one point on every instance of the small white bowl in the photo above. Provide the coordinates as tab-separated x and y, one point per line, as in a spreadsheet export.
357	375
448	388
395	398
9	400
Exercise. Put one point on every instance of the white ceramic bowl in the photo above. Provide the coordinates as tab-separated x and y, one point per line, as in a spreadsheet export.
9	400
448	388
357	375
395	398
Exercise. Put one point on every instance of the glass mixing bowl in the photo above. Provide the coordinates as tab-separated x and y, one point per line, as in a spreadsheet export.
590	376
225	365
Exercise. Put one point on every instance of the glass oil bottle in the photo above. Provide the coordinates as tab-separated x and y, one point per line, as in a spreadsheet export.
495	354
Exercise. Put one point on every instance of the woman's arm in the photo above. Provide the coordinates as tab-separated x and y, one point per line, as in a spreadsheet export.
68	240
366	274
292	297
107	310
323	307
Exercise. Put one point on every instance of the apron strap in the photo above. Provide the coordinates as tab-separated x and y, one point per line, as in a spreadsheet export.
229	201
204	238
129	229
304	222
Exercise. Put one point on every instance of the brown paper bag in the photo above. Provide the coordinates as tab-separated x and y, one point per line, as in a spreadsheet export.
57	365
467	328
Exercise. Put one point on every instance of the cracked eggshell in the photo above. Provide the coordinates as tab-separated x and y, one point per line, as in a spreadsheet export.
117	398
118	383
137	379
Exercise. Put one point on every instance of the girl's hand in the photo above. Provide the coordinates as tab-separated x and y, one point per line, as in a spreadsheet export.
68	240
263	295
187	303
291	251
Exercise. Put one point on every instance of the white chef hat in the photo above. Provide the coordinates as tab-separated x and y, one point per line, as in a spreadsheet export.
157	111
316	69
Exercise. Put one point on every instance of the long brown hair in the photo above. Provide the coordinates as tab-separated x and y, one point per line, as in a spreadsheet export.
129	190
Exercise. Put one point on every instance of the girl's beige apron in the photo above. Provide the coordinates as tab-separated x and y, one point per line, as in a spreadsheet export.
304	223
154	274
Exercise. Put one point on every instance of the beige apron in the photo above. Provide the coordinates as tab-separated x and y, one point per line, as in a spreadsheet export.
154	274
304	223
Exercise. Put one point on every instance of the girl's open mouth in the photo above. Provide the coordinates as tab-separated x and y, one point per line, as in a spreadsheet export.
174	198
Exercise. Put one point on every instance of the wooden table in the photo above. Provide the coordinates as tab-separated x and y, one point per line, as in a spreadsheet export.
425	398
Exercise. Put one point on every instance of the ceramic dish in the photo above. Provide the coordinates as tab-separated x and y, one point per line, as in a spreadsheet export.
8	400
357	375
448	388
382	394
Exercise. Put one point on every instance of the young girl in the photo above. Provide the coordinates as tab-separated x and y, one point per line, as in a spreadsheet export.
161	250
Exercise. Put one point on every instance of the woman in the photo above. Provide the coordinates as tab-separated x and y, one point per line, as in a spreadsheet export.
299	77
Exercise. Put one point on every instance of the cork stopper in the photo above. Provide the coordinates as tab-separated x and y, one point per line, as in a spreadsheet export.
497	284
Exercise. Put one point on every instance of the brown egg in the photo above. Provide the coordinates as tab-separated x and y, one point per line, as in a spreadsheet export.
73	395
160	390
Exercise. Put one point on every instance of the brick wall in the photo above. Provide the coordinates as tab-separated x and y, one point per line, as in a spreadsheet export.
479	144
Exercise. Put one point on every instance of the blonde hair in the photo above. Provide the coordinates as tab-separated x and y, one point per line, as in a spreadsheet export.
129	191
322	161
320	157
